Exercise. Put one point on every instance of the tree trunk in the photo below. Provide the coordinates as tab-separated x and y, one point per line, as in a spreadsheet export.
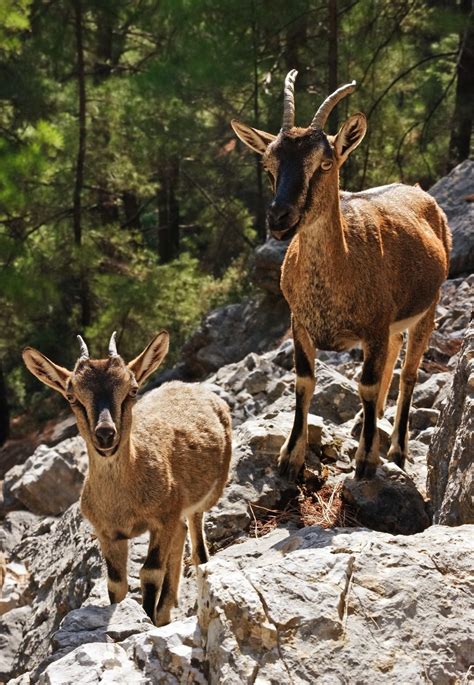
4	410
461	130
131	209
333	121
260	222
168	212
81	152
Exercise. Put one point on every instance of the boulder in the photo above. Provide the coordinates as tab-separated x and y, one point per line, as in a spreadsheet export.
51	479
390	502
227	334
92	623
451	192
341	605
450	466
266	268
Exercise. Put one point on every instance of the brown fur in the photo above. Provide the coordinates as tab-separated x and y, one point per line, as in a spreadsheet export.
360	268
168	463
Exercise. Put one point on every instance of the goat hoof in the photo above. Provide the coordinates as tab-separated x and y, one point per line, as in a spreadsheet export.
365	470
289	469
397	457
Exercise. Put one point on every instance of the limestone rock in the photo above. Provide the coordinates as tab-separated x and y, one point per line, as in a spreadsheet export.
450	465
340	606
451	192
93	663
14	526
227	334
112	623
12	626
267	265
170	654
64	564
51	479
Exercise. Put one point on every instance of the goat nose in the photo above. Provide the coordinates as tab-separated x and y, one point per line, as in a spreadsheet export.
278	211
105	434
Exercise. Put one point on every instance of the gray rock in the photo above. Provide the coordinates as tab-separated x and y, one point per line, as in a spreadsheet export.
12	626
426	393
335	397
93	663
51	479
390	502
170	654
450	465
113	623
266	268
64	564
14	526
253	477
426	435
423	418
228	334
340	606
451	192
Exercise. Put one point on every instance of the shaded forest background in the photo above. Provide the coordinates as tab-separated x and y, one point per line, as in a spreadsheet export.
126	202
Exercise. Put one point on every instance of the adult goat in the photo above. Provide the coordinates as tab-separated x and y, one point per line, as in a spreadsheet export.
361	268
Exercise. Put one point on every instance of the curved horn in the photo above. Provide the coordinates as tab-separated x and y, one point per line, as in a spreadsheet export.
329	103
289	101
84	350
113	346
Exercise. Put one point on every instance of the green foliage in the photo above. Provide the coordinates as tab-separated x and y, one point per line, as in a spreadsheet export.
170	207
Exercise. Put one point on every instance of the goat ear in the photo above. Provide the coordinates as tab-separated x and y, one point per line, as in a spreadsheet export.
149	360
256	140
45	370
350	135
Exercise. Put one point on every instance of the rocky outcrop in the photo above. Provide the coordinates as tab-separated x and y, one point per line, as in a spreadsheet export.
450	456
337	606
454	194
291	593
228	334
50	480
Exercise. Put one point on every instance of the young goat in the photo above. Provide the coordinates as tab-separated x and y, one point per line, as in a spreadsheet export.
150	467
361	268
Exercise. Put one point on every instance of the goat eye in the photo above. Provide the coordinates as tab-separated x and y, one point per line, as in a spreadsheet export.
326	165
133	392
71	398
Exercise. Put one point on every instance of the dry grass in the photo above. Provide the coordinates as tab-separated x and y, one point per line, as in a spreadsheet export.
322	506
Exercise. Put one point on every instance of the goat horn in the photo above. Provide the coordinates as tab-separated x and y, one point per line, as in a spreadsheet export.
289	101
84	350
113	346
329	103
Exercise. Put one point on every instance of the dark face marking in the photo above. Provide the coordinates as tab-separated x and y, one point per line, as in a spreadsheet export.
112	572
153	559
165	590
149	599
121	536
293	160
102	394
